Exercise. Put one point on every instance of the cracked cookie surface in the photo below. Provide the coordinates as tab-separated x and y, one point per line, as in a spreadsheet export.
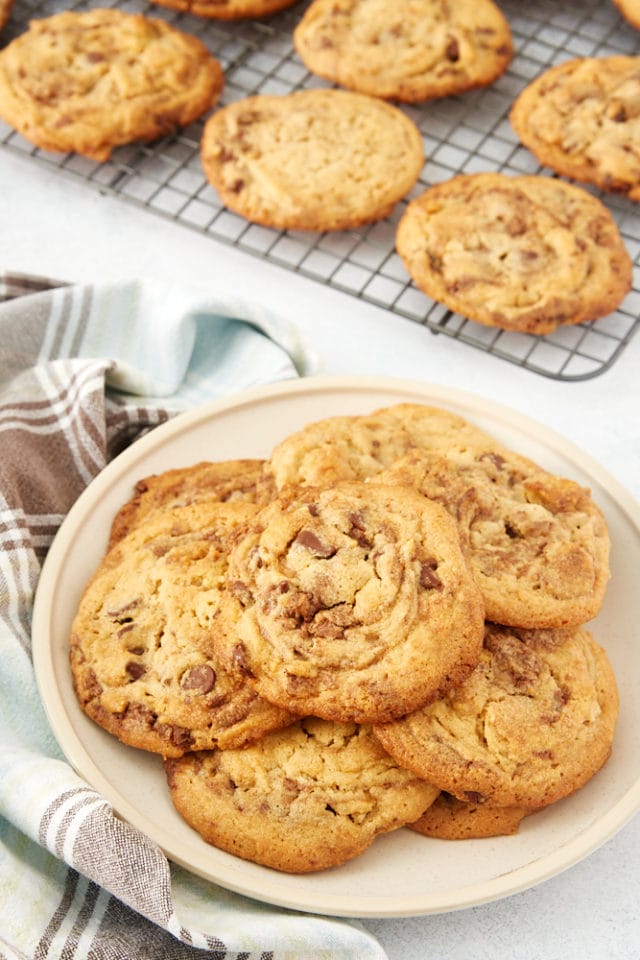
524	253
89	82
303	799
531	725
311	160
537	543
410	50
582	119
352	602
143	648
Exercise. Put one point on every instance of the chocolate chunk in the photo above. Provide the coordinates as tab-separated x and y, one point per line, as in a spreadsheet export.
117	614
135	669
240	590
309	540
472	796
357	531
200	679
428	577
453	50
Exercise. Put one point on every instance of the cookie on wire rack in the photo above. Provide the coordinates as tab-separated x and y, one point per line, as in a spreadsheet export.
227	9
409	50
91	81
581	118
522	253
5	11
311	160
630	10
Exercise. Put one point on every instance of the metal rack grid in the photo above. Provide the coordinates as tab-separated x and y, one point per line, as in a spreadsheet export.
462	134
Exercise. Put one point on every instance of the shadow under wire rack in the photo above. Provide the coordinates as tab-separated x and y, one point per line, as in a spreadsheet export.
468	133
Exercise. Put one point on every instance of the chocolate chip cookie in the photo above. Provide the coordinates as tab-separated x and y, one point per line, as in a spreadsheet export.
409	50
334	592
311	160
206	482
227	9
303	799
537	543
630	10
5	11
143	651
451	819
582	118
89	82
524	253
531	725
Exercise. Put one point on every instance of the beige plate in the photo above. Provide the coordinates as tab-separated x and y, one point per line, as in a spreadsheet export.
402	874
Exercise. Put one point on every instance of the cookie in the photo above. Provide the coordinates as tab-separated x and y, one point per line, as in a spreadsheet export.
630	10
410	50
531	725
359	446
306	798
5	11
451	819
334	591
580	118
537	543
524	253
311	160
337	448
227	9
206	482
143	647
89	82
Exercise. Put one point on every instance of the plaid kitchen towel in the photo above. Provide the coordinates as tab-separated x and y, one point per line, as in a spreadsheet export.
84	370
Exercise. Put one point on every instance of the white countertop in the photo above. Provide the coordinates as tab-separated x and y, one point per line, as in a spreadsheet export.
55	227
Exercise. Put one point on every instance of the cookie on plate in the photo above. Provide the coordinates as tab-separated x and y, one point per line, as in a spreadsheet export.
537	543
451	819
306	798
334	591
410	50
143	647
227	9
524	253
88	82
221	481
531	725
350	447
581	118
359	446
311	160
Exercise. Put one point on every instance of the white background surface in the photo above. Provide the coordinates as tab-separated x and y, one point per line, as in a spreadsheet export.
55	227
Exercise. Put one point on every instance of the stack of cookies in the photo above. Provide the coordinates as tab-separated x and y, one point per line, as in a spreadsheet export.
381	625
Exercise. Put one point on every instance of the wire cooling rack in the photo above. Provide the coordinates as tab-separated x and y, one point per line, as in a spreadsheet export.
462	134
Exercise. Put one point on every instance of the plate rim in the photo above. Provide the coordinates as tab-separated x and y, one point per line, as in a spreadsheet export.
566	855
